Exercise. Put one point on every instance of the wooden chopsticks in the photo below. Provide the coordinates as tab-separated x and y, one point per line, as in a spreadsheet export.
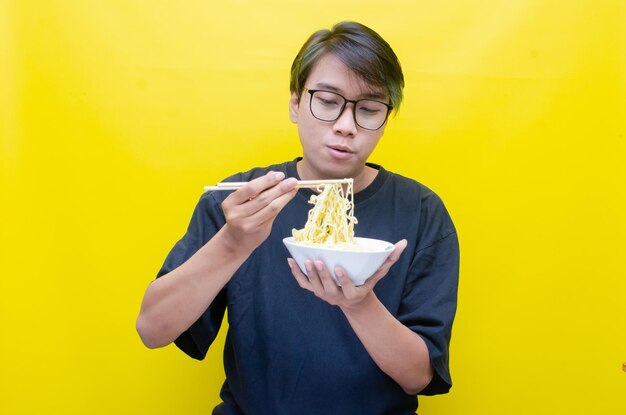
311	184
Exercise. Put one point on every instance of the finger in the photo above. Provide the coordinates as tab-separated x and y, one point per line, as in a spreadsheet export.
265	217
314	279
301	279
384	268
268	211
399	247
392	259
371	282
256	186
328	283
347	286
255	214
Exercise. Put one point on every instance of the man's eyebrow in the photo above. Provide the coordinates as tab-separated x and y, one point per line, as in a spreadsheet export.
368	95
327	87
376	95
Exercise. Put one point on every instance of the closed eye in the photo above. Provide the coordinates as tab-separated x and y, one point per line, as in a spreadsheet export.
328	102
369	110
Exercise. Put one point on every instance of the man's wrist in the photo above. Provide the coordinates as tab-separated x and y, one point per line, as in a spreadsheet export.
229	246
367	305
232	244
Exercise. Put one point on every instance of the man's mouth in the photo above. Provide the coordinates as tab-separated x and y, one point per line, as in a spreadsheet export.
339	152
341	149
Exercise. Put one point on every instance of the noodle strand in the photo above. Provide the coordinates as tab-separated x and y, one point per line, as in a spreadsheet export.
331	220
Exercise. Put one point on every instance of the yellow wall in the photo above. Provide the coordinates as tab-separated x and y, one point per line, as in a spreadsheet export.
114	114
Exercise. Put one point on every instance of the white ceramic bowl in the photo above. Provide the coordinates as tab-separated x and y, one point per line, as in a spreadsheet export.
359	264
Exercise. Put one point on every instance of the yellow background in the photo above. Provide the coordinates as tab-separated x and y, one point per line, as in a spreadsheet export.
114	114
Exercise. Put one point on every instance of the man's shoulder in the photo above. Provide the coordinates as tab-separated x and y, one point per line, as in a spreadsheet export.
426	204
408	186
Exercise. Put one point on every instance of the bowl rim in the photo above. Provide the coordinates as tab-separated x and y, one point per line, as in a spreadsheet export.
290	241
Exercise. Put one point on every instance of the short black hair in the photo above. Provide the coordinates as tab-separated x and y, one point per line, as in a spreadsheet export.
361	49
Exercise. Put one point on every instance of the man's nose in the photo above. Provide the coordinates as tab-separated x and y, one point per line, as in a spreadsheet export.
345	124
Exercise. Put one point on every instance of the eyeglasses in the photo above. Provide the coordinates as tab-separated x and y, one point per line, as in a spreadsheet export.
328	106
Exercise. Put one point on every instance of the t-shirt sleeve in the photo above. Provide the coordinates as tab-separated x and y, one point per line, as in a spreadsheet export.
206	220
429	303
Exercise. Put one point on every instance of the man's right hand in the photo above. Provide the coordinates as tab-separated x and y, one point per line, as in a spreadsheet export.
250	211
173	302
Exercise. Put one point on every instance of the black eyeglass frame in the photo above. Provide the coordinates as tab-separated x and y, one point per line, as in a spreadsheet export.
343	107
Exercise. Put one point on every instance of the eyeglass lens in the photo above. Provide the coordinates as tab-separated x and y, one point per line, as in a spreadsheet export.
328	106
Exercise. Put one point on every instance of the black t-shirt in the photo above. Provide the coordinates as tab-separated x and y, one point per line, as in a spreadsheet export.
287	351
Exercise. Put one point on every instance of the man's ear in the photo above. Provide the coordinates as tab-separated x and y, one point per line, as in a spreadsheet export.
294	107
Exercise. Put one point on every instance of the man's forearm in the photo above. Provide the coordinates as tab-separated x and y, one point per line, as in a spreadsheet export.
397	350
175	301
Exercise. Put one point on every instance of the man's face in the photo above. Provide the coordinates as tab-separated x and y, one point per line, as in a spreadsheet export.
334	149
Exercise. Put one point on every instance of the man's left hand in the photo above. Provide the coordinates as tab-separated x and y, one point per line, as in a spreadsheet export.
346	296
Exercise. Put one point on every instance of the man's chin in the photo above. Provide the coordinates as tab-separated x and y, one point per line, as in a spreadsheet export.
330	169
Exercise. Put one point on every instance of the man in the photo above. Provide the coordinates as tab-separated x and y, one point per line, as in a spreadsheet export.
303	345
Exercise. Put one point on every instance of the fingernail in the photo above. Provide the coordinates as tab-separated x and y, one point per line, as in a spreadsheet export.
289	263
338	272
319	266
278	176
289	183
308	265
